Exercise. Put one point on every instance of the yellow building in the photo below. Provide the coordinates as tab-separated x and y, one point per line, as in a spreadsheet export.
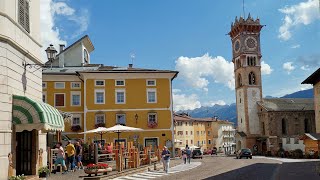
98	95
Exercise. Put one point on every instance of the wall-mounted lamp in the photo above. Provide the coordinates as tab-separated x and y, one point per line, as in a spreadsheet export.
136	118
51	55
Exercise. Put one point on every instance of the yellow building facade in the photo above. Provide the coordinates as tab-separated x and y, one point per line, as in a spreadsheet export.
98	95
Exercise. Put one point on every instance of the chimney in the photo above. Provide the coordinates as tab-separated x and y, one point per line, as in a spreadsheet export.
130	65
61	47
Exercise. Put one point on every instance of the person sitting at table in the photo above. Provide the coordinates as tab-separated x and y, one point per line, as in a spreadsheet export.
109	149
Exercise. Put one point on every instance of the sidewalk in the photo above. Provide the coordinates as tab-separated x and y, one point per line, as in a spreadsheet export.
287	160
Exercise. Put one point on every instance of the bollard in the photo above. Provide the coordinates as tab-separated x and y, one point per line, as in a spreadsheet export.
96	159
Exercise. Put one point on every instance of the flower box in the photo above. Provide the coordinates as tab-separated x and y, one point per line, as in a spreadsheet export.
76	128
152	124
97	169
100	125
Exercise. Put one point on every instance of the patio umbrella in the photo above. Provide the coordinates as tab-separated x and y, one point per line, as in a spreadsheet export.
177	141
99	130
120	128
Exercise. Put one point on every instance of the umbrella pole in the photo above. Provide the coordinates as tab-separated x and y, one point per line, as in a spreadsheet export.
101	137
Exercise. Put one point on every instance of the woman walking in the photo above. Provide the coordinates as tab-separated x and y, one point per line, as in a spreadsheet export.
166	158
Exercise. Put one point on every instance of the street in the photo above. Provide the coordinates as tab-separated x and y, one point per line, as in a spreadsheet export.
225	168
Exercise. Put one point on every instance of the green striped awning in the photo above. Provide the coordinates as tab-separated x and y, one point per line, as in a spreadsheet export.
29	114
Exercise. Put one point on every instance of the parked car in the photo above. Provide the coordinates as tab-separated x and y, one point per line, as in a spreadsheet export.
244	153
196	153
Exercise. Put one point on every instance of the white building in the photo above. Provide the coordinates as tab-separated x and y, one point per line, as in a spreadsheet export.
225	136
22	125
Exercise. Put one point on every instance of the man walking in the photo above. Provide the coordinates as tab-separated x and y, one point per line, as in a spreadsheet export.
188	152
71	152
79	155
166	158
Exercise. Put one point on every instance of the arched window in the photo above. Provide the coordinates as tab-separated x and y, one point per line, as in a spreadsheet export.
284	126
85	56
306	126
252	78
239	80
248	61
254	61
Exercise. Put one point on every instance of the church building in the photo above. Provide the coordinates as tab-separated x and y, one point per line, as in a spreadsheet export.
262	123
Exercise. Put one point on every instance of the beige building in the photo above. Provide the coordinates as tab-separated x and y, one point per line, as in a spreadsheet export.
183	131
23	117
314	79
224	136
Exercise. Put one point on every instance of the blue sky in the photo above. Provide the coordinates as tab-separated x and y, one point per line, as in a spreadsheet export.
190	36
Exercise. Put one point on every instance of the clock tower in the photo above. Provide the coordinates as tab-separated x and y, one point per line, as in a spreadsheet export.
245	38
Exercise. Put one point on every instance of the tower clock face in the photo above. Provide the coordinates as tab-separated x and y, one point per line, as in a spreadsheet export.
251	43
237	46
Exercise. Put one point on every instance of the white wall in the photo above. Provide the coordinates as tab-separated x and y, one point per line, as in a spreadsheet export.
292	145
253	95
74	56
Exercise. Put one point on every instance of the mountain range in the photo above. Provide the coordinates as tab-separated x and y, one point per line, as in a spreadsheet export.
228	112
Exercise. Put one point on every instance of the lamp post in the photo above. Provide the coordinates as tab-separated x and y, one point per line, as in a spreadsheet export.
136	118
51	55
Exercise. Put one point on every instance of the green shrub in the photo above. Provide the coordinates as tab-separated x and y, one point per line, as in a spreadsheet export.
19	177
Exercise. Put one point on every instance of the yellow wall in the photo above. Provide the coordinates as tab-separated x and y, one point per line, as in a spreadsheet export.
316	90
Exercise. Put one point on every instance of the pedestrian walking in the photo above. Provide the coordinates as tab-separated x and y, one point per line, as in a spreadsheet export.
79	155
166	158
71	153
60	159
188	153
184	156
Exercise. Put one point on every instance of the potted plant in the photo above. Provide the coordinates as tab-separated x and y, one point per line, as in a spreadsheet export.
19	177
152	124
43	172
76	128
100	125
97	168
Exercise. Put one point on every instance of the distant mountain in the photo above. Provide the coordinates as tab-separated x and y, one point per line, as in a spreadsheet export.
225	112
300	94
229	112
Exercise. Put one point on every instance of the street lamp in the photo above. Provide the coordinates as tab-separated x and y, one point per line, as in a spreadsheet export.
51	55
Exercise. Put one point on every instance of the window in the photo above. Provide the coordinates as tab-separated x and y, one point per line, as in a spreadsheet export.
44	96
186	141
152	117
186	124
251	61
59	85
76	98
186	132
191	141
198	143
99	119
180	132
75	121
239	80
209	132
151	95
120	83
24	14
120	96
99	83
99	96
121	119
198	133
209	141
151	82
284	126
208	124
75	85
306	126
85	56
44	85
287	140
59	100
190	132
252	79
296	140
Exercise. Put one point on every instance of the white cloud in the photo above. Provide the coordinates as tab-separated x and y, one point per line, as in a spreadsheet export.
305	68
50	34
288	66
197	71
212	103
295	46
184	102
303	13
265	68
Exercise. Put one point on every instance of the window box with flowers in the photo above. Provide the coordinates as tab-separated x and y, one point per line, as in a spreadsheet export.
97	168
100	125
152	120
75	128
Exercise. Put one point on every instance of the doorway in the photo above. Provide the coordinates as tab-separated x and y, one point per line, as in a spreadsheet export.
151	141
25	152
